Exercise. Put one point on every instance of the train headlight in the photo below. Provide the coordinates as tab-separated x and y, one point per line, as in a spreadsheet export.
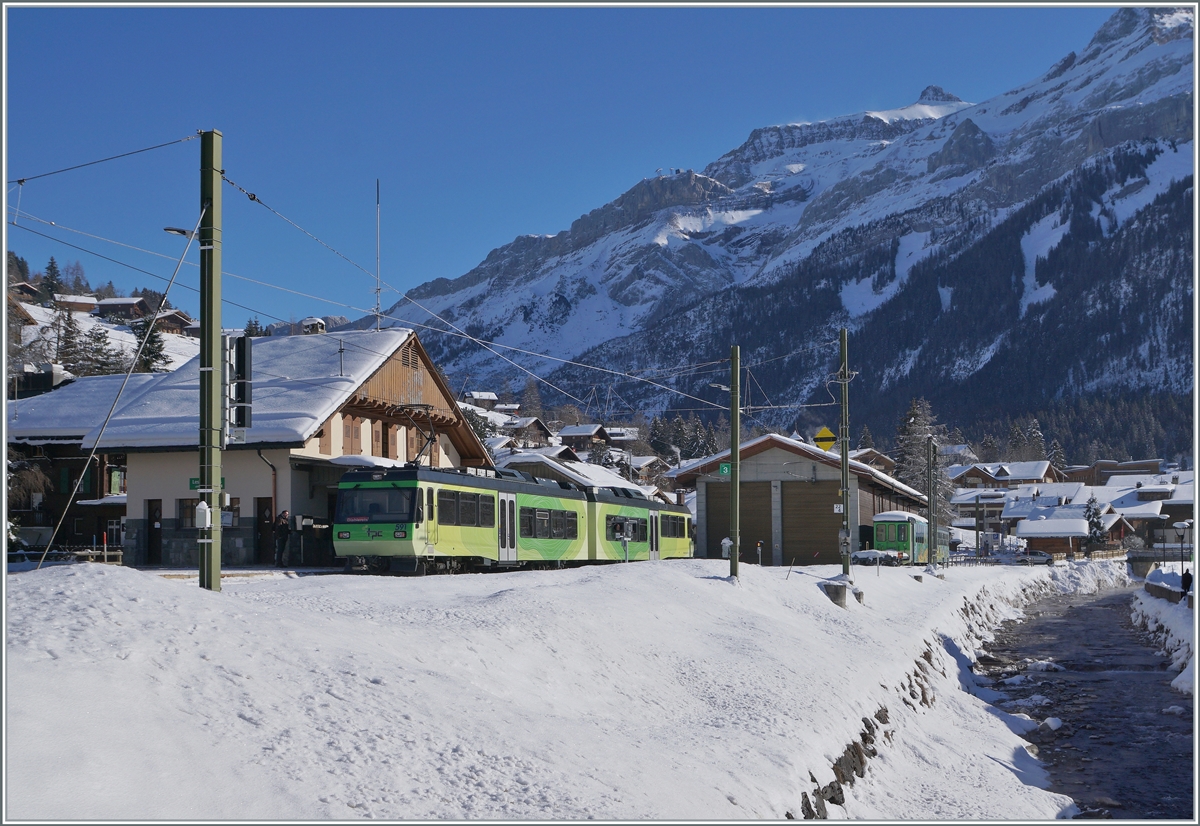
400	534
343	534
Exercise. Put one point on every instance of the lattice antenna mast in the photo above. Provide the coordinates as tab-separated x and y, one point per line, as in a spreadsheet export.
378	280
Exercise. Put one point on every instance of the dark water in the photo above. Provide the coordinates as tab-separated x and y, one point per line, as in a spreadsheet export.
1118	754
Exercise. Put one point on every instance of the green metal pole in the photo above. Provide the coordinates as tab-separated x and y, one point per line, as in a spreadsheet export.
212	396
931	500
844	438
735	453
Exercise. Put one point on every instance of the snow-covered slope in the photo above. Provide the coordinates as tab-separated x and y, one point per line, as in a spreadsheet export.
178	349
853	205
624	692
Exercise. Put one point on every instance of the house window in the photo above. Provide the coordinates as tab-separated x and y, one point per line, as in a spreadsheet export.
77	526
185	511
235	513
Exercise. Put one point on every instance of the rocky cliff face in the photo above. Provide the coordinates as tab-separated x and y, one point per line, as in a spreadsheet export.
872	221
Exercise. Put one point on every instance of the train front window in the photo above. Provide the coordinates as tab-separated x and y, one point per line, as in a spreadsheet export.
375	505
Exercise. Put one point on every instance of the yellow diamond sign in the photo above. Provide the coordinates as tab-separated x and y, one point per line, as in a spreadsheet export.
825	438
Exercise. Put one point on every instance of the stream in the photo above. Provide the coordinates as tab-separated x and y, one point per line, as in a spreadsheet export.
1125	747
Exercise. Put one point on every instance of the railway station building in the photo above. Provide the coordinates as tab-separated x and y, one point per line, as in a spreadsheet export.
321	404
789	490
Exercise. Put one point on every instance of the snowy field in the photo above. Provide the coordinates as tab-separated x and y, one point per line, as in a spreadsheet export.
659	690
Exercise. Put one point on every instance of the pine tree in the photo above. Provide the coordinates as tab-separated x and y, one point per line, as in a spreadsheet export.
254	328
51	280
1016	443
1096	536
1035	442
99	356
154	356
865	440
600	455
18	268
1056	455
531	399
912	443
988	451
68	341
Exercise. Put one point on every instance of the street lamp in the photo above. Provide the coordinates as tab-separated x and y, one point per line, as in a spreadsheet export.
1181	528
186	233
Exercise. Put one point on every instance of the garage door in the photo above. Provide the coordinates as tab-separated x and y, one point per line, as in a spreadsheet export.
755	517
810	527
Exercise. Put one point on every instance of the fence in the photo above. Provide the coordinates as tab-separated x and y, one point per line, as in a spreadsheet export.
66	554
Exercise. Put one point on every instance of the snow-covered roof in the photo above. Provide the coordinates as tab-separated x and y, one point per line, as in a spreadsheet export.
122	302
482	395
623	434
110	499
75	299
795	446
497	442
1006	471
579	430
299	382
639	462
886	516
1129	480
494	418
1028	528
580	473
553	451
1021	501
72	410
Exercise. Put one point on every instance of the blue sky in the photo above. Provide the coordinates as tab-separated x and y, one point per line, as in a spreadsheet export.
481	124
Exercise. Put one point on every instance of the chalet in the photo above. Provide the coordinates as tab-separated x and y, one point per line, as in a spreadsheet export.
508	409
875	458
1100	471
123	308
321	404
78	303
480	398
1064	531
790	493
584	436
48	431
174	322
1004	474
24	291
647	468
527	431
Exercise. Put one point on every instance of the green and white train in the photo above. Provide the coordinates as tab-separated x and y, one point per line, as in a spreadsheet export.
420	520
907	534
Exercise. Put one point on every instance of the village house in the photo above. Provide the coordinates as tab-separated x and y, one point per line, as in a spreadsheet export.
584	437
24	291
174	322
480	398
123	308
320	405
790	495
77	303
527	431
1004	474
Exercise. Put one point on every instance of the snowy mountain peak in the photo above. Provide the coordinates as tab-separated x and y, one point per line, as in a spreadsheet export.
936	94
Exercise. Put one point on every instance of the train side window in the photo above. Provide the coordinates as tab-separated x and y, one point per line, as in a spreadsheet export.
614	528
487	510
468	509
902	533
880	533
640	533
891	532
542	524
558	525
447	502
418	512
526	522
572	525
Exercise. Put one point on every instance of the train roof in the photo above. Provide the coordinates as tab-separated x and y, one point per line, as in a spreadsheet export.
497	479
898	516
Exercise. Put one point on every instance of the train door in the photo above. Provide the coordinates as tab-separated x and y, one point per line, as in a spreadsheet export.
431	521
506	533
654	549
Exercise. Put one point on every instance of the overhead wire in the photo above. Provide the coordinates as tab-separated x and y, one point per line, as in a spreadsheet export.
22	181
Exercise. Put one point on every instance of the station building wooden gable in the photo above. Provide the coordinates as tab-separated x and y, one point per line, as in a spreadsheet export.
788	494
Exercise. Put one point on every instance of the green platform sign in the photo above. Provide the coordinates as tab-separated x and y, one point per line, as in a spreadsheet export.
724	469
194	483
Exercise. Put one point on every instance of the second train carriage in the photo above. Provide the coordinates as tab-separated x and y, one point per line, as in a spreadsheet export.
423	519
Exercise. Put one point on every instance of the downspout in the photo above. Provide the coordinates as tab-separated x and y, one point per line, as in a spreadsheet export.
273	478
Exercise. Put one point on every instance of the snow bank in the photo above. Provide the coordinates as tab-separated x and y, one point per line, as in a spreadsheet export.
650	690
1173	626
